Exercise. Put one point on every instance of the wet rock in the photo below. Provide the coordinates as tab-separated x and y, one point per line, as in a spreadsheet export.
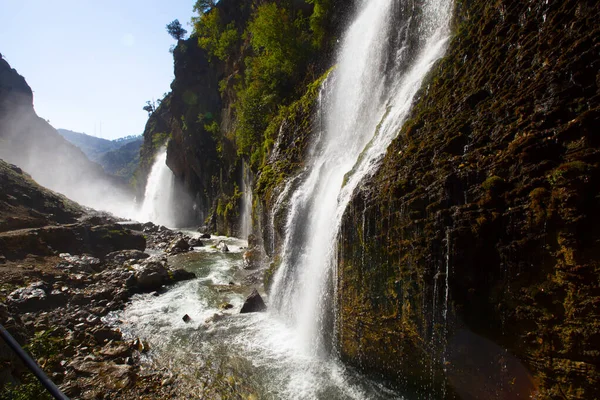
181	275
126	255
252	258
226	306
79	264
223	247
151	276
149	227
253	303
30	298
205	236
2	260
104	334
186	318
179	245
116	351
195	243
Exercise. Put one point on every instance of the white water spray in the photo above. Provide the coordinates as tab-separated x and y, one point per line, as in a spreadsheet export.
158	199
246	217
381	66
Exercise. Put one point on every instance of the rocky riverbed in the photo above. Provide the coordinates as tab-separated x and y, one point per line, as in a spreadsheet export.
54	304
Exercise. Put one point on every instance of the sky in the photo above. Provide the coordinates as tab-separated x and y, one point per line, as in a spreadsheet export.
92	65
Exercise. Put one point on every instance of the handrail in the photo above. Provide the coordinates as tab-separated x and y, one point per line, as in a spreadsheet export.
32	365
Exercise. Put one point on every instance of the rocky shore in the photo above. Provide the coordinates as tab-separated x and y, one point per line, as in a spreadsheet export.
54	306
63	268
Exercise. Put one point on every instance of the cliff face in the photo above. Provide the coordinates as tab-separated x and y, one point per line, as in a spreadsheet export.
31	143
203	159
468	265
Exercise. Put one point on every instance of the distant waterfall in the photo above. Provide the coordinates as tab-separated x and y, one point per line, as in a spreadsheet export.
384	56
158	206
246	214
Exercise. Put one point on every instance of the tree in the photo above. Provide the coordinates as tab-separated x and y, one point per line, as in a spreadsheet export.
203	6
176	30
150	107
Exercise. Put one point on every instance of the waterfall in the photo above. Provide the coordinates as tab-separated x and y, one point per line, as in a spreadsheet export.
384	56
158	202
246	215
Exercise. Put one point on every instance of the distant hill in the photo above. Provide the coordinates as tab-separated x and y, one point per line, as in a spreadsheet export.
118	157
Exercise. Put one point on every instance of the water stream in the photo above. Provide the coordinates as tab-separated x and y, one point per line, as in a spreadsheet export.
259	349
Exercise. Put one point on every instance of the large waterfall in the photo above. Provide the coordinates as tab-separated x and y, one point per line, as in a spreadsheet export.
384	56
158	202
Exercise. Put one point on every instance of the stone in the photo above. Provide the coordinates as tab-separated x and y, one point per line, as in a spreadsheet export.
126	255
181	275
195	243
226	306
30	298
151	276
223	247
186	318
205	236
252	259
253	303
179	245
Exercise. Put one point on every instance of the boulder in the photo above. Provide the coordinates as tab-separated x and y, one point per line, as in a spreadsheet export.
195	243
181	275
178	245
186	318
151	276
205	236
223	247
253	303
29	298
121	256
80	264
252	258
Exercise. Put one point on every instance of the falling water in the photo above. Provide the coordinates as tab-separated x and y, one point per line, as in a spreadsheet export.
246	215
158	199
384	57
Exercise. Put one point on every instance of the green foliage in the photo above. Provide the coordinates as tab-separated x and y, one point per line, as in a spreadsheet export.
567	171
318	20
159	139
281	45
30	388
218	40
227	206
176	30
493	184
46	347
203	6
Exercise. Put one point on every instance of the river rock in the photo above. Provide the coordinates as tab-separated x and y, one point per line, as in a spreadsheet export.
178	245
186	318
223	247
151	276
193	242
205	236
253	303
80	264
30	298
252	258
181	275
125	255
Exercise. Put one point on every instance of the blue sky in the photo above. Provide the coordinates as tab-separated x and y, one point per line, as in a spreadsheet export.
92	64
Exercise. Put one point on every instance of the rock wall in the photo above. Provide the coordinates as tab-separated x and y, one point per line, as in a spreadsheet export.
468	264
205	163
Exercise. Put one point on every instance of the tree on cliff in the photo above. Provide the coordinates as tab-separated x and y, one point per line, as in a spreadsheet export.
203	6
176	30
